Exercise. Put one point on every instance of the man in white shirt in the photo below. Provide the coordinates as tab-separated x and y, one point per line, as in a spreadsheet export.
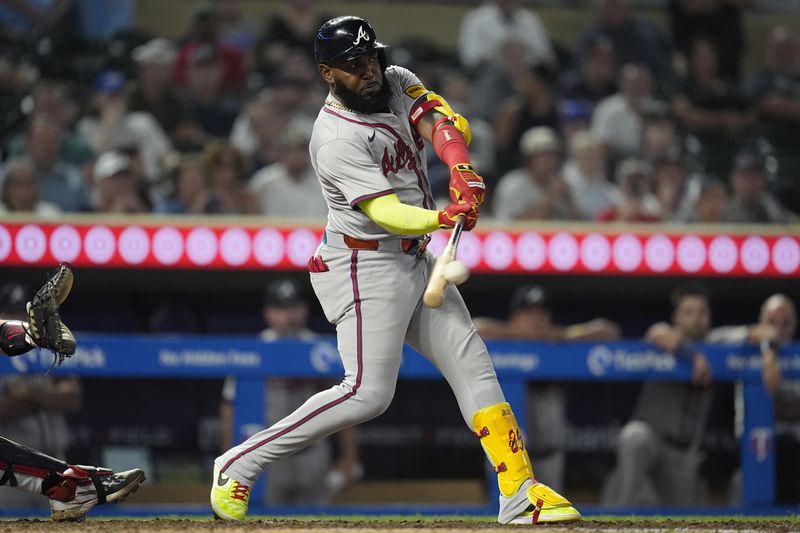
484	30
289	187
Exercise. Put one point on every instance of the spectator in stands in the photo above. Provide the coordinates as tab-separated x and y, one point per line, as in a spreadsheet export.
236	29
595	76
658	453
20	192
634	177
209	106
154	93
60	183
719	21
776	327
676	189
776	94
309	477
460	94
530	318
484	29
495	82
33	407
536	190
290	188
534	103
619	119
585	173
205	33
576	116
113	125
659	139
751	202
712	110
257	128
115	189
291	29
24	18
711	203
227	171
53	101
189	186
635	39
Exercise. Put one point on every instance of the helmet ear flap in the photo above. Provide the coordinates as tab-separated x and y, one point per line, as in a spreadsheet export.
382	59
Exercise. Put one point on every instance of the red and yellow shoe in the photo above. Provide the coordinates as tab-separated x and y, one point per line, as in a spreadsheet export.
546	506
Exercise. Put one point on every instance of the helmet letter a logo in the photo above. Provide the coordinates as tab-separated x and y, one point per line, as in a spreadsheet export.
361	35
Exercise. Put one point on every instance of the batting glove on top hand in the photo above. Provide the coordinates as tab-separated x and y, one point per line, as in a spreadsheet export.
449	215
466	185
46	328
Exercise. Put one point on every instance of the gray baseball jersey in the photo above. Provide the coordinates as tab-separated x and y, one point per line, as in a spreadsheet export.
358	157
374	297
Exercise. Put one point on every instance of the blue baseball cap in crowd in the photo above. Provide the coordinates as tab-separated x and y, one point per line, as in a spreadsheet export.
110	81
575	110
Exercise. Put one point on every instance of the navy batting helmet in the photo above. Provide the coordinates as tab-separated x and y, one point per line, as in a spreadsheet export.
345	38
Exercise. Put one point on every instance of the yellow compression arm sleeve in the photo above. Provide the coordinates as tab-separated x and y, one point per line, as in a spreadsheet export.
396	217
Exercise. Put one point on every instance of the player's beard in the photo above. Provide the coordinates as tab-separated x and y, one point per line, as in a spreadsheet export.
377	103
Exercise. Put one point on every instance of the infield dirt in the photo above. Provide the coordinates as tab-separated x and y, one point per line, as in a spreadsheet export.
404	526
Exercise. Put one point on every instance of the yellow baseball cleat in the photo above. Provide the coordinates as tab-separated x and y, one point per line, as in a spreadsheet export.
546	506
229	498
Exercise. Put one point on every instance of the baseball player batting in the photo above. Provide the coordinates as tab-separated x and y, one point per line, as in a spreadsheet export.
371	270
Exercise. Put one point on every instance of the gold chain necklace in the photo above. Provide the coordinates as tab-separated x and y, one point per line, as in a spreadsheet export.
337	105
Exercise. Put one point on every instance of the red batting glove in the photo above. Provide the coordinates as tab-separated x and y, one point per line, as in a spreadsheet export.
449	215
466	185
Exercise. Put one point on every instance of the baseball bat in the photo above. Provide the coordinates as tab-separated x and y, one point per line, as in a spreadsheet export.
434	292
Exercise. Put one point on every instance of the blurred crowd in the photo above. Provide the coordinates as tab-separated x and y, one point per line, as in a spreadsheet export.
628	123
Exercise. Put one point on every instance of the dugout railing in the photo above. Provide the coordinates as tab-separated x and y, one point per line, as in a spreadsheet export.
251	360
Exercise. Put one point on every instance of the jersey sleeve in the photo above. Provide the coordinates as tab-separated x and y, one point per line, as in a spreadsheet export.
351	169
410	86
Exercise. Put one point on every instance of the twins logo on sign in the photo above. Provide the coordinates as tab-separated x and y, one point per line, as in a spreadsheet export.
361	35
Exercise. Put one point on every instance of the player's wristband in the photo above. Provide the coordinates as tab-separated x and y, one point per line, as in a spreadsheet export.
684	351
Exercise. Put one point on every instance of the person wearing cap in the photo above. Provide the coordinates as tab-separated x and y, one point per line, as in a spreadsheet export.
19	192
60	182
153	91
33	406
309	477
575	116
536	190
750	201
115	188
112	125
585	173
530	318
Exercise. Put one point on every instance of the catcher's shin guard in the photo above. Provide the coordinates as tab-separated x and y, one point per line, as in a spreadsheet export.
29	470
501	438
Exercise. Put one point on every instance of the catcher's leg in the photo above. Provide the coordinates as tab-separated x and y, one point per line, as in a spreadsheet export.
27	469
72	490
